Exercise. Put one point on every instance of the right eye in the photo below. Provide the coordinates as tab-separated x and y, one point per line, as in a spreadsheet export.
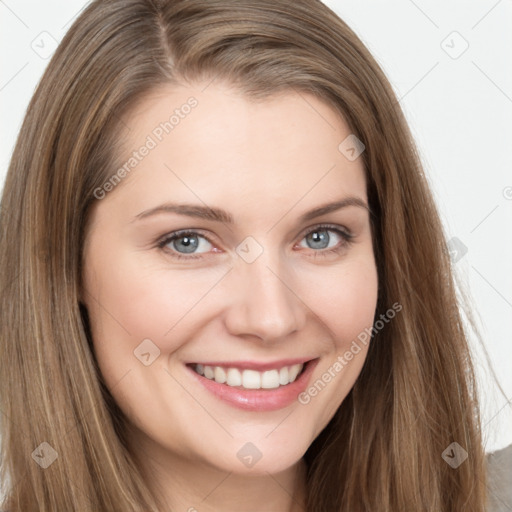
182	243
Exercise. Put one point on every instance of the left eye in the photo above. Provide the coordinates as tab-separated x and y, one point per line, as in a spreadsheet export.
320	238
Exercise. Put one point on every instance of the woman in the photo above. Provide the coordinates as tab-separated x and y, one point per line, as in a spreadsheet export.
175	333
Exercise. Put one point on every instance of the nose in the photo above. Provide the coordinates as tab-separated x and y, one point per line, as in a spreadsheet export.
263	302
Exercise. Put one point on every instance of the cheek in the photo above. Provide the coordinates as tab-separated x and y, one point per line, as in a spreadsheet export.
134	301
129	303
347	309
352	309
344	299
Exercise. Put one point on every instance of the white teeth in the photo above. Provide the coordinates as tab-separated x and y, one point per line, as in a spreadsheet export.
220	375
234	377
294	371
250	379
270	379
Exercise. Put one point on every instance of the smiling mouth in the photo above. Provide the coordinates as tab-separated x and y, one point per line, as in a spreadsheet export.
251	379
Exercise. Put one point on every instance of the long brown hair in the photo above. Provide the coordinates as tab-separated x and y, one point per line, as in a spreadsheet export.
416	393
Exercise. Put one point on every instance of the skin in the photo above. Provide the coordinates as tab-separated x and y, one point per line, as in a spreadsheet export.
266	163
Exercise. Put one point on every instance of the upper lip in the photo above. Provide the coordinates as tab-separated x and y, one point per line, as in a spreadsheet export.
254	365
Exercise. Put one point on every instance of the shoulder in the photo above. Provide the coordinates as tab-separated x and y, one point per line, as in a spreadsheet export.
499	467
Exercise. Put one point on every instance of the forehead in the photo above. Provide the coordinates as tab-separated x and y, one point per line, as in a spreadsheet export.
209	143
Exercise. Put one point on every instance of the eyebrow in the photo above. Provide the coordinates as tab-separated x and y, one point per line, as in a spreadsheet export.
219	215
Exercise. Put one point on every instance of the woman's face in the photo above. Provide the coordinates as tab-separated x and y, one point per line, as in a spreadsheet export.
259	284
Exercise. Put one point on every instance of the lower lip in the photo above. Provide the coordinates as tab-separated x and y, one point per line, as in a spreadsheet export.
259	399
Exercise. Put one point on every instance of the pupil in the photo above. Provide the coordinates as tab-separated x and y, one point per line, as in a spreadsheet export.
189	243
320	237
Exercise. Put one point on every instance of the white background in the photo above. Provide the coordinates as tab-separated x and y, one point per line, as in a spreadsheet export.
459	106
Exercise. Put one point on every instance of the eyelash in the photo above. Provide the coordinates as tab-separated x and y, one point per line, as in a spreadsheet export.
346	241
